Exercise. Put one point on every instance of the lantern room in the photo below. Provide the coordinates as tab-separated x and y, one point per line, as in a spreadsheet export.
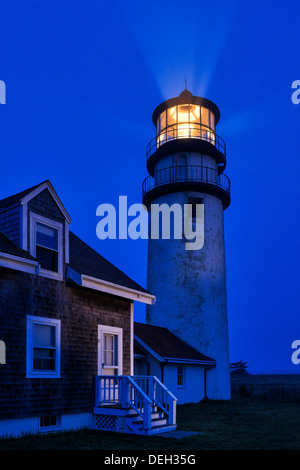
189	122
185	121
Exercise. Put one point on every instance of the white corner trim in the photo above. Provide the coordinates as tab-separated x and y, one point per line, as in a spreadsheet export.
116	289
24	236
18	263
39	189
67	243
131	339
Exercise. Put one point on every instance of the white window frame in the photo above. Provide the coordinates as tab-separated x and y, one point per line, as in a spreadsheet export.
30	372
183	374
104	329
34	219
55	427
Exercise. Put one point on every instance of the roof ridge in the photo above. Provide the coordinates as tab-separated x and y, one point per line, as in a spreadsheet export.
13	198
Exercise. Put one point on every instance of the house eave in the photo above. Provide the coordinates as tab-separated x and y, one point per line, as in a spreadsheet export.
109	288
19	264
179	360
148	349
172	360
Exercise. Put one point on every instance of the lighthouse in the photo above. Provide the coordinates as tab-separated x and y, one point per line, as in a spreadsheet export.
186	161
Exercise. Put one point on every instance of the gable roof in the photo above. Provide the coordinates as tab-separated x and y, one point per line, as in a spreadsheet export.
86	261
25	196
168	346
16	198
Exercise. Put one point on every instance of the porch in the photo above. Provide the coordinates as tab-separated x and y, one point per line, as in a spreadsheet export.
134	404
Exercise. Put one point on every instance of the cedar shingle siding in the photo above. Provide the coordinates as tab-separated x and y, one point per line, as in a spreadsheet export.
10	223
80	311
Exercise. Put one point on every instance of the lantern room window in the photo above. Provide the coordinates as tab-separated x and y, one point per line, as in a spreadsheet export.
185	121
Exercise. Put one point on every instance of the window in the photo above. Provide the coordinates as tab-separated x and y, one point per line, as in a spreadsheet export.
194	201
49	422
46	245
180	376
110	349
43	347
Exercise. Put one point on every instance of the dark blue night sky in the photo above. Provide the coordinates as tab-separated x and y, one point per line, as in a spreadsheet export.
83	78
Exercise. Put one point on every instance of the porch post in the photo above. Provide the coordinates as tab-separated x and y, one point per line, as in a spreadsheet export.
147	414
172	411
124	391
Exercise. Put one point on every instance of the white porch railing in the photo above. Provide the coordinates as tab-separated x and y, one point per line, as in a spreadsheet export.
160	395
137	392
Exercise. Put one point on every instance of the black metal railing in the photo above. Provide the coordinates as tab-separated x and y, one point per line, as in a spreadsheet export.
187	174
186	130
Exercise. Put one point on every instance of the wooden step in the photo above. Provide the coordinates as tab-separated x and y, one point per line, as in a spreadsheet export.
161	429
158	422
158	415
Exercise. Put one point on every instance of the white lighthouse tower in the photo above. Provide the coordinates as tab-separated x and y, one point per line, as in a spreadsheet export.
186	160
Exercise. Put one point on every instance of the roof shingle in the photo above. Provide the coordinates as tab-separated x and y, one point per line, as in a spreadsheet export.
85	260
166	344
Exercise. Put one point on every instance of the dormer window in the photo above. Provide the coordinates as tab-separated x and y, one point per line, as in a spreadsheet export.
46	245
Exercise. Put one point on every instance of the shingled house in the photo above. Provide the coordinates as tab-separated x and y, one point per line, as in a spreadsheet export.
66	329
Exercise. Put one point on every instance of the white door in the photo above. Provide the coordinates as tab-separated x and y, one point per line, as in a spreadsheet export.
110	350
110	362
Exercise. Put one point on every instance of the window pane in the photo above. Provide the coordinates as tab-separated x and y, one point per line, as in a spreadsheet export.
48	259
204	117
172	116
163	120
194	113
108	358
212	121
116	350
110	350
43	359
44	336
108	342
180	375
183	113
46	236
43	364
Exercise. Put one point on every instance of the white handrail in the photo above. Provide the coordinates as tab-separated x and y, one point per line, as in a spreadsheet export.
160	395
142	405
124	391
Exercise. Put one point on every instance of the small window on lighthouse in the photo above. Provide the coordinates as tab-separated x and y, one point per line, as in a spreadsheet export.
194	201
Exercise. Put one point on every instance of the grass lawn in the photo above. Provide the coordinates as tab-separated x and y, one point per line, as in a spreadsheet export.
237	424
